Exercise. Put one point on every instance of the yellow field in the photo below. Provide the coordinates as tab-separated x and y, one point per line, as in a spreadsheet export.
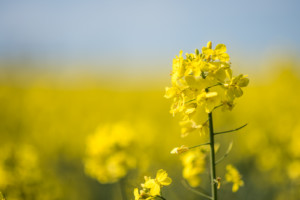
89	142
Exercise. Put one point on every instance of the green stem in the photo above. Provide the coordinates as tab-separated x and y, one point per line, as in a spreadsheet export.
160	197
231	130
212	158
122	184
226	154
195	191
207	143
213	86
217	107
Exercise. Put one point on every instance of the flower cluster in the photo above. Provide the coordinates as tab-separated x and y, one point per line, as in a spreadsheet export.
234	176
200	83
109	155
152	187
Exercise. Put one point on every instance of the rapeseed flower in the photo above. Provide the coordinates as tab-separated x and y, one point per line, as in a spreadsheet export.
152	187
179	150
193	163
156	184
234	176
219	53
234	86
140	195
110	153
189	126
208	100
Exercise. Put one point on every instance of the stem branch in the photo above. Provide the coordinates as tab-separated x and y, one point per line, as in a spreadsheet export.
226	154
161	197
122	184
195	191
213	86
207	143
217	133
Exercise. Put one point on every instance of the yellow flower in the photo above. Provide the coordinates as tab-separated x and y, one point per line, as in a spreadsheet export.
179	150
152	187
108	154
193	163
234	87
234	176
208	99
156	184
136	194
219	53
196	82
170	92
227	105
293	169
178	68
187	127
140	195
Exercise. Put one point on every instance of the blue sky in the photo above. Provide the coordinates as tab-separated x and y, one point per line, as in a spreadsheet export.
143	33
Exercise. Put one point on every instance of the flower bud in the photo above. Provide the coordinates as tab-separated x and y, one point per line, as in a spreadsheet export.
179	150
209	45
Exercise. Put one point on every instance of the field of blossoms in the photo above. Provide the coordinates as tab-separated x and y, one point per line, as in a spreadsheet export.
90	140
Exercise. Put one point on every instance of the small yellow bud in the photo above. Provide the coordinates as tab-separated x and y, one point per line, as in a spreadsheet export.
179	150
209	45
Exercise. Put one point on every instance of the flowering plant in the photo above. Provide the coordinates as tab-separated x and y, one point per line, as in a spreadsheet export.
201	83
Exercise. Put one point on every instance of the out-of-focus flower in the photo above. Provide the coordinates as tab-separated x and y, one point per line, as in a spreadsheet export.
190	126
294	169
110	153
22	176
179	150
234	176
193	163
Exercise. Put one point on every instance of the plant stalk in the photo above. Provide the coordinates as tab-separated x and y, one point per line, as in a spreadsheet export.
122	184
212	158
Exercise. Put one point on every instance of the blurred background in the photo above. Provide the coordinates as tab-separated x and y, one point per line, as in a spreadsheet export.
82	112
